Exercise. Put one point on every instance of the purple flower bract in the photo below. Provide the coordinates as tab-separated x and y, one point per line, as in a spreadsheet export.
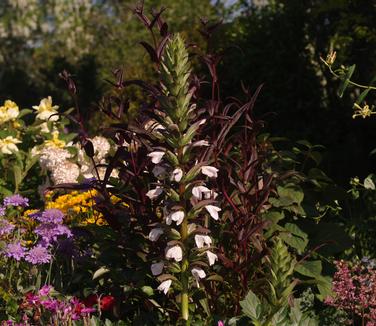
38	255
16	200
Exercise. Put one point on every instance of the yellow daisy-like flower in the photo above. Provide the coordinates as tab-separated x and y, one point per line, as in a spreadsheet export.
8	145
9	111
45	110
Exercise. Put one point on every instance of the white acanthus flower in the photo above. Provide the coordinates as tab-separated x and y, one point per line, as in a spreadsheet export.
154	193
212	258
155	233
177	174
213	211
66	172
157	268
200	191
202	240
8	145
210	171
200	143
45	110
174	252
165	286
198	273
156	156
178	217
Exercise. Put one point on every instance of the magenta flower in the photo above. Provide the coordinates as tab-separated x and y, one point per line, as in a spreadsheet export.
45	290
16	200
2	211
15	251
38	255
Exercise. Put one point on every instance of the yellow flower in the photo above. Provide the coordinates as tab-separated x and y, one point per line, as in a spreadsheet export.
9	111
55	141
8	145
363	112
45	110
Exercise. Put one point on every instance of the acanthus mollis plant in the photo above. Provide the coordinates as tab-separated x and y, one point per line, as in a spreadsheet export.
181	190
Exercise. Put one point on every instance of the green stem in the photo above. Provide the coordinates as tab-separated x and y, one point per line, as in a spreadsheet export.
184	276
350	82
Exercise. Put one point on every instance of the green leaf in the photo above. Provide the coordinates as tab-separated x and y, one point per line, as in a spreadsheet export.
148	290
17	176
294	237
346	80
309	268
251	306
100	272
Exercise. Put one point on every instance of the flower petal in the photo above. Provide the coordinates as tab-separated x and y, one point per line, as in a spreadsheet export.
213	211
210	171
155	234
156	156
174	252
212	258
154	193
202	240
178	217
164	286
157	268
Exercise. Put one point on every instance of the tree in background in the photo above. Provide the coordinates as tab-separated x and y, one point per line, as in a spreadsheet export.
38	39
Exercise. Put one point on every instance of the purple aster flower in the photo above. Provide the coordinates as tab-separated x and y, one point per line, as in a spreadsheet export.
16	200
38	255
5	227
2	210
15	250
49	232
52	215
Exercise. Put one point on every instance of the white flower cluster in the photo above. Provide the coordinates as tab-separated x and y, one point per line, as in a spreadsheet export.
63	167
200	192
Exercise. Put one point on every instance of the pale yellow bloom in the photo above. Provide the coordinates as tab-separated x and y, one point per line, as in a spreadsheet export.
363	112
9	111
8	145
45	110
55	141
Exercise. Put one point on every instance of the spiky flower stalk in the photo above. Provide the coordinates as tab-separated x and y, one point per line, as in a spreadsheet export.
181	180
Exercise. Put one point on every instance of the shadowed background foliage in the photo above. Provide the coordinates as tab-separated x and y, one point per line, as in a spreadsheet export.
277	43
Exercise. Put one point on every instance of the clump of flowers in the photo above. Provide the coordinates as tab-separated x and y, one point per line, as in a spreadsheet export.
78	207
49	307
354	287
34	245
